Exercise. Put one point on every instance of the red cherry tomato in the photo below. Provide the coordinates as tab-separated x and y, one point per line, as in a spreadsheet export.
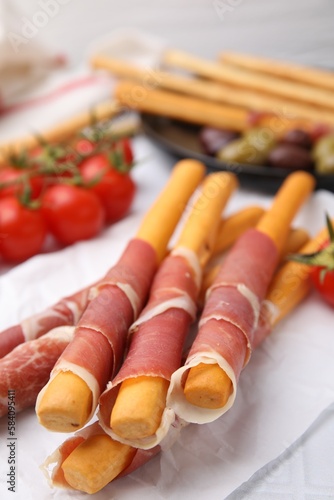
84	146
9	175
324	286
72	213
22	230
17	180
115	189
124	148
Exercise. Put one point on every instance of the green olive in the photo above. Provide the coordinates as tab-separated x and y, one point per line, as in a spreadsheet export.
252	149
325	164
238	151
260	137
324	147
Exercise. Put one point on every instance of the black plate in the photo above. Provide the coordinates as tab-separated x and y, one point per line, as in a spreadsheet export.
181	140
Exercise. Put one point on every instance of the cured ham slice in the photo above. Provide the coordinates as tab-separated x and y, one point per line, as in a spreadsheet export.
158	337
66	311
228	321
97	349
26	369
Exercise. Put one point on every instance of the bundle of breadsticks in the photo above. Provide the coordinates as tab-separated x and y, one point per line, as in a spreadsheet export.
155	393
227	92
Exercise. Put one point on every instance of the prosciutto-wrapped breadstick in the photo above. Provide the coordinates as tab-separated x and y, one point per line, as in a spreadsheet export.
205	387
297	238
26	369
70	398
66	311
90	472
133	407
78	465
164	322
290	71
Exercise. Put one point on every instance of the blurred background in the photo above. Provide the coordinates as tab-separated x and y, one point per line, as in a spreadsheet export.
298	30
56	37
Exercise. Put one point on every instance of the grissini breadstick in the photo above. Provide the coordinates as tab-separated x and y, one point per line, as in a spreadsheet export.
113	458
291	71
276	222
233	226
231	311
70	398
61	131
218	92
245	78
200	111
89	474
90	459
133	407
83	471
297	238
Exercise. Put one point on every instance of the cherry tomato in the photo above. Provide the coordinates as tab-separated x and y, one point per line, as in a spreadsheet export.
22	230
124	148
72	213
114	189
37	183
9	175
324	286
17	180
84	146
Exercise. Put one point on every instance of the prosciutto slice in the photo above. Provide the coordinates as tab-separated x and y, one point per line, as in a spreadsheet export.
66	311
229	320
26	369
97	349
158	337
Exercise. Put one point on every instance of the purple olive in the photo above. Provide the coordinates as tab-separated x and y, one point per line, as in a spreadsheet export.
298	137
290	157
213	140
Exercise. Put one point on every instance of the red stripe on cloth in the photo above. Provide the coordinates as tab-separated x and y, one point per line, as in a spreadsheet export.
55	94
